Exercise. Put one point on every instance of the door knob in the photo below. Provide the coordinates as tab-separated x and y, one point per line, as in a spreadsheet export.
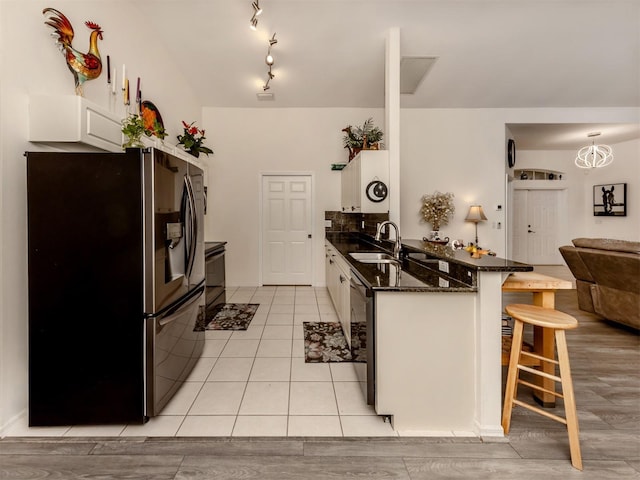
309	235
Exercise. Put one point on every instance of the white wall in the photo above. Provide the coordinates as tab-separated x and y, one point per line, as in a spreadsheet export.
624	169
251	141
463	151
456	150
31	64
459	151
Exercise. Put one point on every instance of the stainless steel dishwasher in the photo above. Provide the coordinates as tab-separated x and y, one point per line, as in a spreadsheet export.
362	336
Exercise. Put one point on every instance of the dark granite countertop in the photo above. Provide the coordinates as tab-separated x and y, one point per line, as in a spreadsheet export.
407	277
486	263
419	269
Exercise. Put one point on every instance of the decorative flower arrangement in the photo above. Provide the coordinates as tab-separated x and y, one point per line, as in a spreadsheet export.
366	137
191	141
437	208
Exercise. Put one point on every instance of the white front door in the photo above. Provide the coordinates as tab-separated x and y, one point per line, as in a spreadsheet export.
536	226
286	230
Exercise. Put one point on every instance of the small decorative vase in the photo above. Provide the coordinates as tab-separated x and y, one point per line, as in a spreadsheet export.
434	235
133	142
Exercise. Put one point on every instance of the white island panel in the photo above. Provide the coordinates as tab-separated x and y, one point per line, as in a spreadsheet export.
426	361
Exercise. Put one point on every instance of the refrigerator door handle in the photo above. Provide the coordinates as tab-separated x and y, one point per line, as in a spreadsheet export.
189	226
170	314
193	225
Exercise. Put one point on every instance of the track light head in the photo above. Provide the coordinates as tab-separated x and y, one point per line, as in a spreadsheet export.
269	60
256	7
253	25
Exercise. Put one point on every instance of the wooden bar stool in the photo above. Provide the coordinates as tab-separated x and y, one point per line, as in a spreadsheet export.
558	322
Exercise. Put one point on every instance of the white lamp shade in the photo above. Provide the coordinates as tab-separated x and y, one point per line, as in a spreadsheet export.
475	214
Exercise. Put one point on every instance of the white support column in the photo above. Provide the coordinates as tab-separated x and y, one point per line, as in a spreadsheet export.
392	119
488	324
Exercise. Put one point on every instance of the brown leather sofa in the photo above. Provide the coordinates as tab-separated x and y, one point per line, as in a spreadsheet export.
607	275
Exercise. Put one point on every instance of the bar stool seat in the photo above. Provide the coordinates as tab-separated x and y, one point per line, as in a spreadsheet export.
558	322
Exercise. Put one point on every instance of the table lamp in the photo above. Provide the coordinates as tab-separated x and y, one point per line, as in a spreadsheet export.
475	215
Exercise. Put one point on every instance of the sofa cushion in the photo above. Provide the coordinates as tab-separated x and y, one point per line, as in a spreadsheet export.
608	244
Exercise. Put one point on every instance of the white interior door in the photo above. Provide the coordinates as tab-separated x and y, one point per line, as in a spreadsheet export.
536	226
519	244
286	230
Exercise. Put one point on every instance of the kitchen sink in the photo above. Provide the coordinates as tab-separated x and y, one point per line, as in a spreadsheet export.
373	257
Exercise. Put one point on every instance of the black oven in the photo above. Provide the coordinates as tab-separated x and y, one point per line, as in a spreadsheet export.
214	275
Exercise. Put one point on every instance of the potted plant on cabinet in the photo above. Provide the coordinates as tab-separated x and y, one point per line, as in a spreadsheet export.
133	129
365	137
192	140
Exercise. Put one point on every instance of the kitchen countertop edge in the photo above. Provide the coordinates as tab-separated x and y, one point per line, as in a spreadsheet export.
485	263
349	242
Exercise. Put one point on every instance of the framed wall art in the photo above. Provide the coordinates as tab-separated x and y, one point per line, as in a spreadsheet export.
610	200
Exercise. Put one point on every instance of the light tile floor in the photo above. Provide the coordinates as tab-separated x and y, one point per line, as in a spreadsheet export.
256	383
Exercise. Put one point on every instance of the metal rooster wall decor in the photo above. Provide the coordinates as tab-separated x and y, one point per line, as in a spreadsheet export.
83	66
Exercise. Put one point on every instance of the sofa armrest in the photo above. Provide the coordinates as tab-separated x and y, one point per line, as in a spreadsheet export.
575	263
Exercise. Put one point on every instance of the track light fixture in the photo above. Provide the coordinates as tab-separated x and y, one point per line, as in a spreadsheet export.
253	24
269	61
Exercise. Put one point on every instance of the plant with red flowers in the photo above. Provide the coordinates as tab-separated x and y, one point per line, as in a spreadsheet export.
191	141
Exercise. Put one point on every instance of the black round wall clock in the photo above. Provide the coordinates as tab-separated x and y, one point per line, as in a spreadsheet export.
511	152
376	191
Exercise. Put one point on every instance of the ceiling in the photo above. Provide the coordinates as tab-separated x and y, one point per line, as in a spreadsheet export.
570	136
330	53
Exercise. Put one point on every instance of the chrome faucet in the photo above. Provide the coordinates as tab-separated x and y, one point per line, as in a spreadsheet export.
396	245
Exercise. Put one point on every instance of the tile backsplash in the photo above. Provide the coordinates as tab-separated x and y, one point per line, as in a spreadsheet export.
353	222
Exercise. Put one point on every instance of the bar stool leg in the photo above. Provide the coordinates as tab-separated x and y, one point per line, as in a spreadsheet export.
569	400
511	387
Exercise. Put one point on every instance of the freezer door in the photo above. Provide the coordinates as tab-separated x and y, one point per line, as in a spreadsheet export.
174	345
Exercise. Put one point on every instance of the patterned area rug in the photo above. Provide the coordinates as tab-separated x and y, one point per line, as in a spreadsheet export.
325	342
229	316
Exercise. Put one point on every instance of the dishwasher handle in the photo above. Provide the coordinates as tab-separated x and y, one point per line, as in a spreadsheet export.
358	284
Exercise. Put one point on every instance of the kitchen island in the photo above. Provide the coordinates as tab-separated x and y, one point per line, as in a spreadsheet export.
434	335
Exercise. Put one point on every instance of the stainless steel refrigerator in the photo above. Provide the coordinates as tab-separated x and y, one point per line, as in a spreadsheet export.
116	283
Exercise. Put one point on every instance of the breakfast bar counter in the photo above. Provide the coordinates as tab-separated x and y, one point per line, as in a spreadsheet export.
437	324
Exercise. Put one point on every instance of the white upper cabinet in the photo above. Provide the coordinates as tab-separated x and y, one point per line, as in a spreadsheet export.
69	119
365	183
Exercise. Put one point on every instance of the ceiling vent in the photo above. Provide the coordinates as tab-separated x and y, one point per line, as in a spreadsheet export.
412	72
265	96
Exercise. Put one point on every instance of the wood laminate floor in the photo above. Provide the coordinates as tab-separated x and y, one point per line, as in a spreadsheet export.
605	361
